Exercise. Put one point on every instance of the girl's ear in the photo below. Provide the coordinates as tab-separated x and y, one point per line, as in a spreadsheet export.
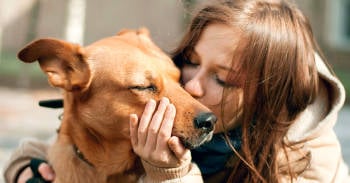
64	63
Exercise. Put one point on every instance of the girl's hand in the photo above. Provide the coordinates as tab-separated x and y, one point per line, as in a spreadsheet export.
44	169
151	136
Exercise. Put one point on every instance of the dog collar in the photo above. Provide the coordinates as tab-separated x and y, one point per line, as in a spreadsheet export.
80	155
53	103
58	103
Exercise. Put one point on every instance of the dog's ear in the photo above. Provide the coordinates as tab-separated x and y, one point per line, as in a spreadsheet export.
144	31
141	31
64	63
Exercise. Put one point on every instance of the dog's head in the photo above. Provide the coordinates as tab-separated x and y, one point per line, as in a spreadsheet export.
110	79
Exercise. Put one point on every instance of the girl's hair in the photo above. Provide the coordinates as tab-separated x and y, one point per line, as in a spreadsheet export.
276	53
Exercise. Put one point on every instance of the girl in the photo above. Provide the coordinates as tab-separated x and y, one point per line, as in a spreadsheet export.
256	65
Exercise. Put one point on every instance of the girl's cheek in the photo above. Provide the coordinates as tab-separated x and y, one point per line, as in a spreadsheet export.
212	97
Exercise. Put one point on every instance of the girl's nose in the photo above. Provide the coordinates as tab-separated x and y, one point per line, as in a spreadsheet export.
195	87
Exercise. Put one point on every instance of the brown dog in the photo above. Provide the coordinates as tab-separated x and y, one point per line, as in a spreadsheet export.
103	84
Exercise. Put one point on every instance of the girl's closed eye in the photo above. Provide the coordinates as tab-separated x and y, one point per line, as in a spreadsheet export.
221	82
224	83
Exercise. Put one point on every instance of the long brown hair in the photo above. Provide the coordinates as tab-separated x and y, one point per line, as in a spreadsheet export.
279	71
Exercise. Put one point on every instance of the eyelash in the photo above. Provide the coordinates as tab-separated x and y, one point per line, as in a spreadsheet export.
216	77
220	82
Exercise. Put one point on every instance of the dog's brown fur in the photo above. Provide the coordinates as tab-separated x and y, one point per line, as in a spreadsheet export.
103	83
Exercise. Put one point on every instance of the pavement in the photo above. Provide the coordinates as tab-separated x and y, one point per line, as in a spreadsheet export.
21	117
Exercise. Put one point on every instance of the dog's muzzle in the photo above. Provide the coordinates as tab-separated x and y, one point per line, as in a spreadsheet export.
204	123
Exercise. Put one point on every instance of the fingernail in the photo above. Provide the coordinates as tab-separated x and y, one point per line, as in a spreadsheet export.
165	100
170	107
172	141
151	101
133	119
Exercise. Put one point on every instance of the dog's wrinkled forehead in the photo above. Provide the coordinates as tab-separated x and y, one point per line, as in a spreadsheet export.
131	54
128	42
132	45
141	39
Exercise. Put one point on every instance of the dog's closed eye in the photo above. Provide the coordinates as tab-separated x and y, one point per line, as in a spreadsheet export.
151	88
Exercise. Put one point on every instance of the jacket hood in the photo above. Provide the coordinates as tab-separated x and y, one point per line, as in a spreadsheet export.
322	114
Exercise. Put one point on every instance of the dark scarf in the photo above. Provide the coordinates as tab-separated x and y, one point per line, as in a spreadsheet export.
212	157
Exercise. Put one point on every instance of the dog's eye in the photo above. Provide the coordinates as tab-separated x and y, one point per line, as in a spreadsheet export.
151	88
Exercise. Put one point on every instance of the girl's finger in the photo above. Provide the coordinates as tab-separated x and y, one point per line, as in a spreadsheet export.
145	120
178	149
46	172
133	129
25	175
155	124
167	125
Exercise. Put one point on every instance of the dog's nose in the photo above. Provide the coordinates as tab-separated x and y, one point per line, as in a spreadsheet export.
205	121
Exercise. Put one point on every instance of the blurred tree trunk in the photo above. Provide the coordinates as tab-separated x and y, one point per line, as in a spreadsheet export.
2	3
1	30
188	6
75	26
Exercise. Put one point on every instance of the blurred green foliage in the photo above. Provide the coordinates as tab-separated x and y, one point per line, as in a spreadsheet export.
344	76
11	66
14	73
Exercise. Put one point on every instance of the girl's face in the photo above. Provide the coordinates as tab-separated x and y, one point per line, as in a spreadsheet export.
204	74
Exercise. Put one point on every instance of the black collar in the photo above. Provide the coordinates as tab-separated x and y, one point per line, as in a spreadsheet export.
53	103
58	103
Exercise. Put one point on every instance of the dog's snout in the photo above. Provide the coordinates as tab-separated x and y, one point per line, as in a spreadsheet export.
205	121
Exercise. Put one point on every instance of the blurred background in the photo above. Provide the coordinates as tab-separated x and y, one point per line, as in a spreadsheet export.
84	21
